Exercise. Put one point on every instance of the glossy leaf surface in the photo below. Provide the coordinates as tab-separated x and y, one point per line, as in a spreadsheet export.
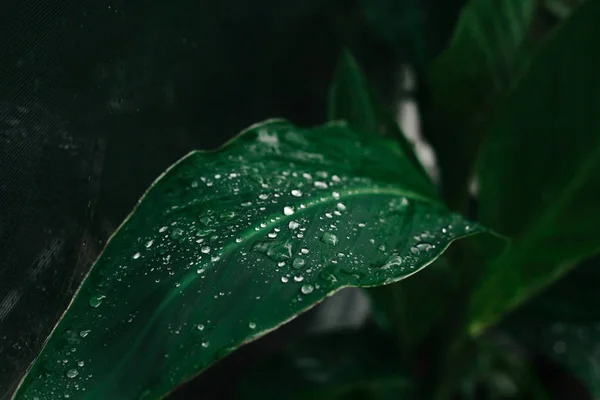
547	196
468	82
228	245
351	98
354	364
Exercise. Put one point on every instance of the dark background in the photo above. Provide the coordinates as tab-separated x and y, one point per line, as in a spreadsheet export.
98	97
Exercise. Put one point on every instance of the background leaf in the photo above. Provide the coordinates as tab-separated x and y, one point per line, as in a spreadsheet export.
563	323
469	81
351	98
228	245
544	190
342	365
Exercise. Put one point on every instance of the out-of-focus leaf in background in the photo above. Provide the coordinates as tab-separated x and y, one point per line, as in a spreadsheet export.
469	81
353	364
546	197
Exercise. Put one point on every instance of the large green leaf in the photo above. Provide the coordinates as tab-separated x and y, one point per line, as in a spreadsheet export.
539	171
563	323
469	81
228	245
343	365
352	98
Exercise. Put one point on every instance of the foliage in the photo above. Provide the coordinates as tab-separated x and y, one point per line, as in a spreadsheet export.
229	245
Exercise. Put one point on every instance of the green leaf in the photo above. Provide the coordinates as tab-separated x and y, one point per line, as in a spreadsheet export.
343	365
408	311
498	371
563	323
226	246
351	98
539	171
416	28
469	81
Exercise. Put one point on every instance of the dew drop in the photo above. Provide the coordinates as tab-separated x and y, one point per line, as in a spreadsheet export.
205	249
204	232
136	256
84	333
341	207
298	263
176	233
293	225
296	193
96	300
149	243
329	238
287	210
275	250
424	247
205	344
227	215
393	261
414	250
298	278
263	196
335	195
320	185
80	363
200	327
161	230
72	373
284	279
307	289
304	251
252	325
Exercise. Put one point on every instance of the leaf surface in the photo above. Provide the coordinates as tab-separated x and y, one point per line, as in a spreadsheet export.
228	245
540	170
469	81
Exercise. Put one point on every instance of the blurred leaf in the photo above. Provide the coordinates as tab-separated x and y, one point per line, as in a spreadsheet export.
563	323
539	170
343	365
498	371
469	81
409	311
420	28
351	98
226	246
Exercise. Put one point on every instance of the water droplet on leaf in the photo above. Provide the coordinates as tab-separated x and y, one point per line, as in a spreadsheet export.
287	210
96	300
307	289
298	263
72	373
329	238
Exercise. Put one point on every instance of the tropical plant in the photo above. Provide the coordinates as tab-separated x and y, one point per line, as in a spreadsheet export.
229	245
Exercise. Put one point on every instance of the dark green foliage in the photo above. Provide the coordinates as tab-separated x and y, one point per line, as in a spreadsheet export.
228	245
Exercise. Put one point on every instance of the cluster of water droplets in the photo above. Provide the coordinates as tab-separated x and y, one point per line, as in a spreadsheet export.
306	231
